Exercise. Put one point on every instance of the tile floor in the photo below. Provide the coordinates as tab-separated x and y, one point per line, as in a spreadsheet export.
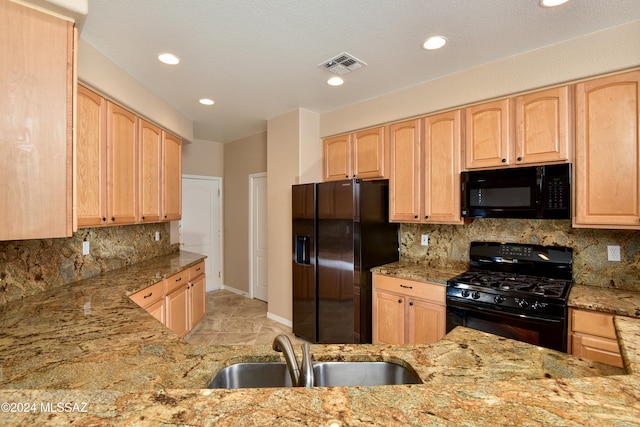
233	319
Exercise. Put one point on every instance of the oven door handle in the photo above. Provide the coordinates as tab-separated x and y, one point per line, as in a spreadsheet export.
502	313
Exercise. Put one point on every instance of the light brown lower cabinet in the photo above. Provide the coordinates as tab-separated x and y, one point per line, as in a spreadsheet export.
407	311
592	336
178	302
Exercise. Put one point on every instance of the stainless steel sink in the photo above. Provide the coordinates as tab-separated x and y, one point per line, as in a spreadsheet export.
326	374
252	375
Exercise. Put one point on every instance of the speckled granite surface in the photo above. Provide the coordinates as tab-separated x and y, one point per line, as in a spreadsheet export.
418	271
130	370
616	301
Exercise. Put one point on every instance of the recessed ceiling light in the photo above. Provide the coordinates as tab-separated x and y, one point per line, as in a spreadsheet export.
206	101
335	81
552	3
168	58
435	42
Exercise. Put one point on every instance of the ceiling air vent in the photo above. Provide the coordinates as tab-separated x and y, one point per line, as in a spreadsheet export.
342	64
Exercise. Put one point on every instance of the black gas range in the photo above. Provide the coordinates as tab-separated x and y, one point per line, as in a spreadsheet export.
517	291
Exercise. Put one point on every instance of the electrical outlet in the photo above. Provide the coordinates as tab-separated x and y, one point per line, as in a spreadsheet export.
157	236
425	240
613	253
85	247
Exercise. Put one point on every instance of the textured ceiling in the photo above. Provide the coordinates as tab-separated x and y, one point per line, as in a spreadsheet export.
258	59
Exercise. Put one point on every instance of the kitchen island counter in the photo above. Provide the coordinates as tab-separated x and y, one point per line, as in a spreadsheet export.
110	362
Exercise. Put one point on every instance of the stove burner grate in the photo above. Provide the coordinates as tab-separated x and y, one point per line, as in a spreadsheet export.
543	286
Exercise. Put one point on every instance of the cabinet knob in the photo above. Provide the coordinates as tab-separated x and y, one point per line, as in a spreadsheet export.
519	159
411	303
113	218
399	301
104	219
426	217
504	160
415	216
143	218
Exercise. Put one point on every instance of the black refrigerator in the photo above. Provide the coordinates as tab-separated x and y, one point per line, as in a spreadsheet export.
341	230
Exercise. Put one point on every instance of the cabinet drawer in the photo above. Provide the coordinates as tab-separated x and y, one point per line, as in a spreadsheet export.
148	296
425	290
593	323
177	280
599	349
196	270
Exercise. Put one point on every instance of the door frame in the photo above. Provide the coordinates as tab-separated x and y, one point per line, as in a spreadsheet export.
252	227
220	220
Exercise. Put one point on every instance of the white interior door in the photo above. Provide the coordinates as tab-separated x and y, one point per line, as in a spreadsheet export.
258	235
201	225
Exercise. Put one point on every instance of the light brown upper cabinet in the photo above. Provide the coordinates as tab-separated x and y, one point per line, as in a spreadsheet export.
122	165
534	128
607	168
36	124
489	131
360	155
171	177
404	177
91	155
150	182
425	169
128	169
106	163
543	126
441	154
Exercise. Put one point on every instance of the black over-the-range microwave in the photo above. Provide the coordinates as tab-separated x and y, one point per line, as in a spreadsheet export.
527	192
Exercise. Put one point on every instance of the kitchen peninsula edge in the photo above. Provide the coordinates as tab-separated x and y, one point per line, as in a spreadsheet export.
131	370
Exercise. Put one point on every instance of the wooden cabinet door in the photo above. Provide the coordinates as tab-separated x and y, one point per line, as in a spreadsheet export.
177	305
426	322
441	159
388	318
91	158
368	151
404	175
543	131
157	310
171	177
122	165
488	134
607	152
36	122
150	179
336	158
197	304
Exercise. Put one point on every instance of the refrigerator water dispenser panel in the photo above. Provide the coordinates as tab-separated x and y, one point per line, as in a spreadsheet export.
303	249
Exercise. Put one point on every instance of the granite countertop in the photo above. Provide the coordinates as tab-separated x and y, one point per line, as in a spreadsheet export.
89	355
417	271
614	301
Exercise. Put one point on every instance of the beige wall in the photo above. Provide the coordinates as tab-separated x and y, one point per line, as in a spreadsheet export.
97	71
594	54
241	158
203	158
293	156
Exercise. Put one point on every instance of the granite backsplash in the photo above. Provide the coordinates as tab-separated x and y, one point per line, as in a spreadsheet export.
449	246
31	266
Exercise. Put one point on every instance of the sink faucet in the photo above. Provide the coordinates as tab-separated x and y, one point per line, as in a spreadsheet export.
301	376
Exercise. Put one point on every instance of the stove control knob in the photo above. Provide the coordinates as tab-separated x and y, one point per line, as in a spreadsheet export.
499	299
521	303
536	305
475	295
465	293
